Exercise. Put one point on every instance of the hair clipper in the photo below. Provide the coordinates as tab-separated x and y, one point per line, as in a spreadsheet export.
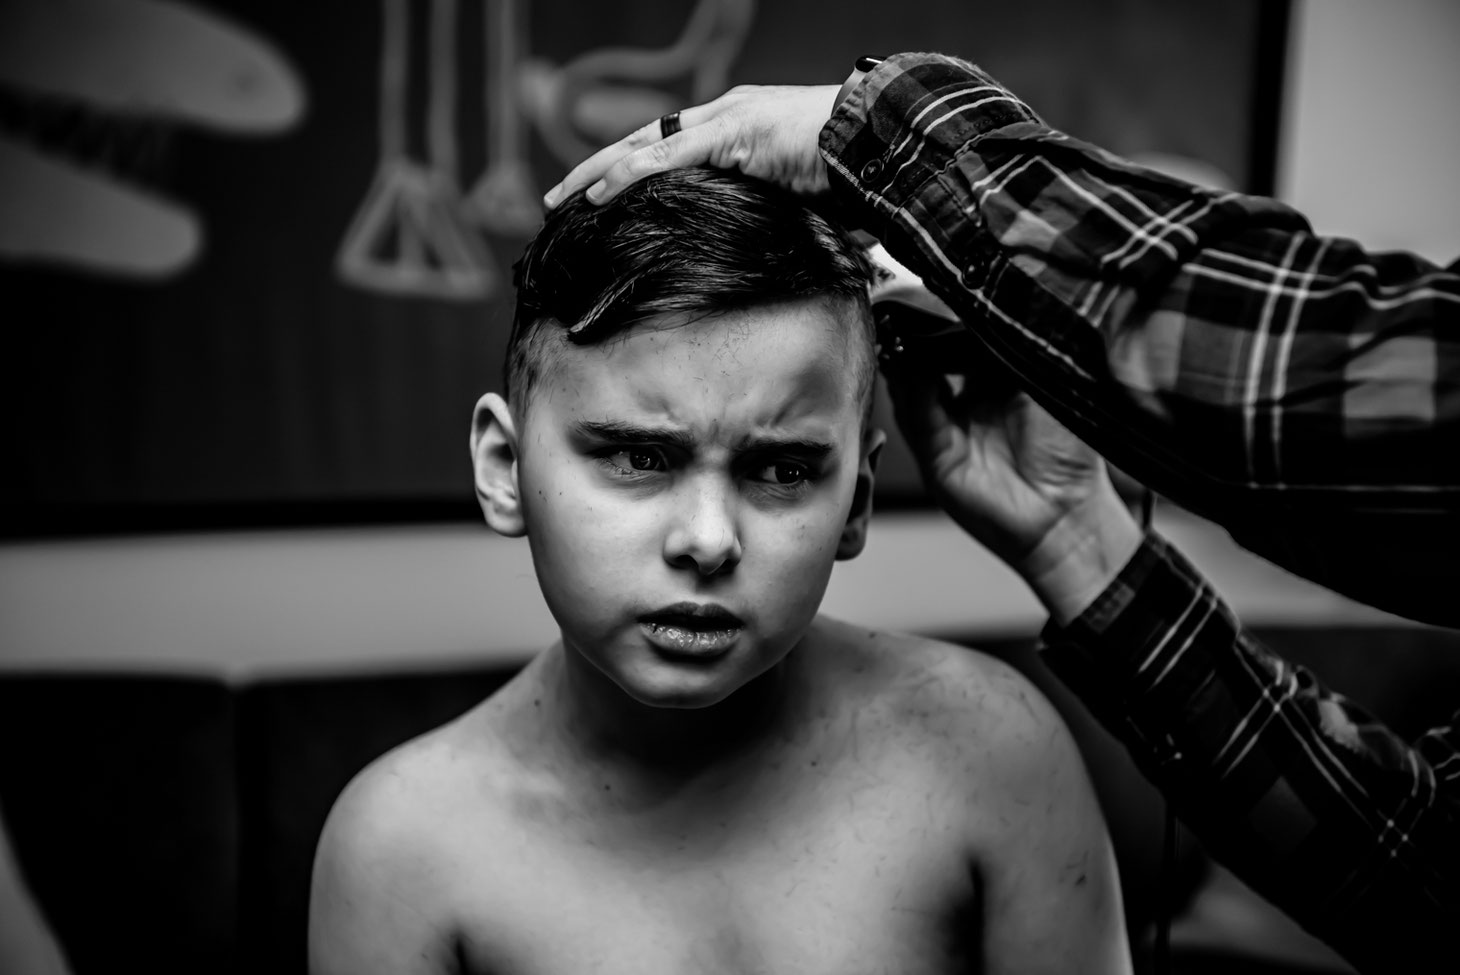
914	326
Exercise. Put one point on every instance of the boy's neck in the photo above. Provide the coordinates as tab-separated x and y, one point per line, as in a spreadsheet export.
598	720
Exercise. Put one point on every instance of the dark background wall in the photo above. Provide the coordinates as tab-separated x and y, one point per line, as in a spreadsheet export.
339	294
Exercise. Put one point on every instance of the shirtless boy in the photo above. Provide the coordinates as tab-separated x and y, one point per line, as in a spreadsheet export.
703	775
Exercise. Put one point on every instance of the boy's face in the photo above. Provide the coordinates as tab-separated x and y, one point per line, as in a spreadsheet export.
686	489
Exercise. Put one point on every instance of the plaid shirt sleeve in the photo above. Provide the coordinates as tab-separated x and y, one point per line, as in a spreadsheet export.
1205	342
1351	830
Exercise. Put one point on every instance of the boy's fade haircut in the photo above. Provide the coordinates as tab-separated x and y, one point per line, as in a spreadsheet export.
695	242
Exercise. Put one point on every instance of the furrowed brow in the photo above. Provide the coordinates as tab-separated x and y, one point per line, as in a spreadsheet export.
614	431
800	446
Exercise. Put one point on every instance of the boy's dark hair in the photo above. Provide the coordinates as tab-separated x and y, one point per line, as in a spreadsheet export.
692	241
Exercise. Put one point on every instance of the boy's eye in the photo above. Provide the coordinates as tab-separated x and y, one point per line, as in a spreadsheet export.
785	472
637	459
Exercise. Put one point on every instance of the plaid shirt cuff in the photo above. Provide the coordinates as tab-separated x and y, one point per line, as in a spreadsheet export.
1127	648
1326	812
883	145
1137	593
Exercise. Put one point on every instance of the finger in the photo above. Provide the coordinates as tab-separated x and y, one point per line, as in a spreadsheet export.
695	146
592	169
589	170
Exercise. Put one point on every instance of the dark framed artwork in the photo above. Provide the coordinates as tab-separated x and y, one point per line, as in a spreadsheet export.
255	256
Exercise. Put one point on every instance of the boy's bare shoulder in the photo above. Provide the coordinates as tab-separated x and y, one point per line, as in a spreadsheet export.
383	812
965	707
921	671
410	829
408	813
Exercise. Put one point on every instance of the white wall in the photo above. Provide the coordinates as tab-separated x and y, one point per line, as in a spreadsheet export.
1371	136
326	599
1373	90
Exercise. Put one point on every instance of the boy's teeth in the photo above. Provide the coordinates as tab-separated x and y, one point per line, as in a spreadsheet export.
690	639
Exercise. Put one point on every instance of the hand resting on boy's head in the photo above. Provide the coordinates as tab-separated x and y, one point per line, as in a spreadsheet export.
703	775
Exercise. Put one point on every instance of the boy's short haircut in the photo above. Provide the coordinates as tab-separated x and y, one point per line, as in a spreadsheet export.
695	242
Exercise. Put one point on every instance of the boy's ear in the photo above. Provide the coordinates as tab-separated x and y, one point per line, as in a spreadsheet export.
854	533
494	463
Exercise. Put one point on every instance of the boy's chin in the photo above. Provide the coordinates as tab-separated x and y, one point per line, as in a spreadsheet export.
680	696
674	689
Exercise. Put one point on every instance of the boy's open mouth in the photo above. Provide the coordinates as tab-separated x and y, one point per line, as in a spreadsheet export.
692	629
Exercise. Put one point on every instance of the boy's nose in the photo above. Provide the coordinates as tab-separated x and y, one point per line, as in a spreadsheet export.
704	534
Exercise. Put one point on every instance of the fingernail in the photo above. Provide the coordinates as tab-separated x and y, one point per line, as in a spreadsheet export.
550	198
595	192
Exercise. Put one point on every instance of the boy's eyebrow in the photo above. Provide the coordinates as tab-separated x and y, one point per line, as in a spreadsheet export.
621	432
618	431
788	445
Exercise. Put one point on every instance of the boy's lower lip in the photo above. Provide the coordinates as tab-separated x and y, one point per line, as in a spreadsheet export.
684	641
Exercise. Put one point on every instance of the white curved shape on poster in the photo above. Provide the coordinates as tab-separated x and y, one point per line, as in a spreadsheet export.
607	93
150	58
54	211
128	64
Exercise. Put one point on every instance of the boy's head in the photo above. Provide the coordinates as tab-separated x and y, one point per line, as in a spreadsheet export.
686	440
690	242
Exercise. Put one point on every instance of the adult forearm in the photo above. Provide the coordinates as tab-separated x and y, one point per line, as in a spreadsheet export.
1049	249
1229	341
1206	343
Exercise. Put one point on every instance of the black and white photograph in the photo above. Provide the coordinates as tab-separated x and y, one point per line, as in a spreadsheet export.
531	487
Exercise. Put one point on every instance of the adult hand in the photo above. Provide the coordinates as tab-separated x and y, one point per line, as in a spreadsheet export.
1019	482
769	132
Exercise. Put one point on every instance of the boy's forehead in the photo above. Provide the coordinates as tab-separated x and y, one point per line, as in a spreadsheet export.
768	365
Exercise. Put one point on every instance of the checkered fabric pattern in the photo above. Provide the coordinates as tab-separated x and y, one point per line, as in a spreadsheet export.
1296	389
1351	830
1206	342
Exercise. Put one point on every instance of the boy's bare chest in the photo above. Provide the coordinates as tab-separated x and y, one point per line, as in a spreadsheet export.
840	877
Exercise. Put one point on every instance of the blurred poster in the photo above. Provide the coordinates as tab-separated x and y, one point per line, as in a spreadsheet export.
256	256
